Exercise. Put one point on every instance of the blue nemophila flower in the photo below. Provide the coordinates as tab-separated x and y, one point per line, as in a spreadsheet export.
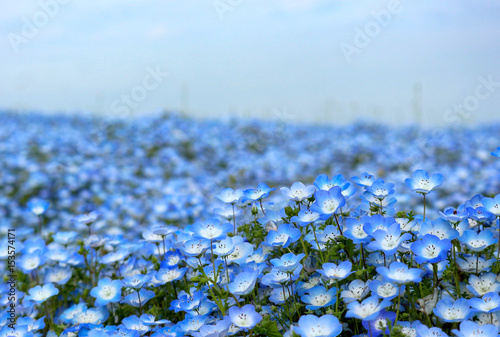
472	263
96	241
420	181
272	219
448	311
319	297
31	261
387	290
65	238
241	252
148	319
288	262
298	191
492	205
377	259
330	232
276	278
430	249
137	299
280	295
489	303
284	236
472	329
328	202
245	317
175	305
163	229
454	214
368	309
135	323
230	196
219	329
38	206
114	257
212	229
388	241
324	183
410	328
475	202
21	331
332	271
87	218
172	259
481	285
244	282
68	314
478	241
440	228
369	200
58	275
380	189
255	194
311	282
136	281
195	247
124	332
305	217
463	226
424	331
30	323
192	323
107	291
205	308
376	222
378	325
355	231
406	224
224	247
480	214
365	179
40	294
356	291
56	253
399	273
314	326
189	302
260	255
493	318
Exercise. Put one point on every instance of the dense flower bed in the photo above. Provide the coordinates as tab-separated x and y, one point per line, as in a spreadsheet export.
136	235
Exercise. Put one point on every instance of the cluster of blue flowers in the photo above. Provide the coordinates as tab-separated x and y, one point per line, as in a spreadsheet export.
317	264
338	257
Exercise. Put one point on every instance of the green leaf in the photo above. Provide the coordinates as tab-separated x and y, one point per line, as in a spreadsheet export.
267	328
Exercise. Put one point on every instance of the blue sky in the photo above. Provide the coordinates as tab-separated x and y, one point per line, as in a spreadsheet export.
308	60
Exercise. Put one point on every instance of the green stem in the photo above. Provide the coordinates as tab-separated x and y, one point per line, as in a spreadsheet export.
319	248
435	270
304	246
338	224
424	206
140	303
455	271
399	305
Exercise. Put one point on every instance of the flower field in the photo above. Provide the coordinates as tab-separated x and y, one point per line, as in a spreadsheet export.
168	226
